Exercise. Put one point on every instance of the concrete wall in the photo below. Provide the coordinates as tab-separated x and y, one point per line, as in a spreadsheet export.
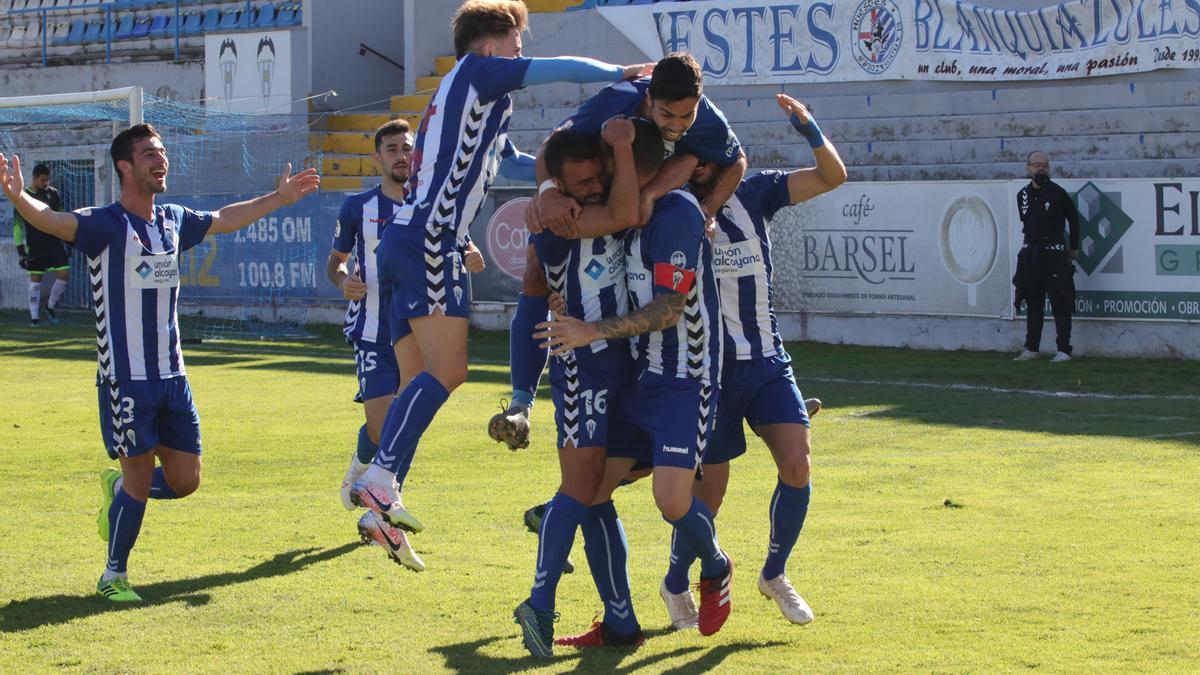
335	63
179	81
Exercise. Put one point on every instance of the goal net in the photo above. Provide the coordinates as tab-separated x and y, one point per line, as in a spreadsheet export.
256	283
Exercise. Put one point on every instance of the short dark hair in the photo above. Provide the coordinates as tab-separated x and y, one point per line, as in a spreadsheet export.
122	145
41	170
676	76
476	19
565	145
648	149
390	128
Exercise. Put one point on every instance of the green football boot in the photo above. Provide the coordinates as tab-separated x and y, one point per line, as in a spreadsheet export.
117	590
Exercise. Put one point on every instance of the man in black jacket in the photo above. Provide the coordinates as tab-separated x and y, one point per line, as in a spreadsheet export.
1044	264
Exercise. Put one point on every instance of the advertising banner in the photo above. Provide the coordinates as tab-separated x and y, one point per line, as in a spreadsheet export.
896	248
281	256
764	42
249	72
499	232
1139	253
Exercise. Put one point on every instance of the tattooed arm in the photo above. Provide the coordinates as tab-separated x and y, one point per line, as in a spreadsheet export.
564	333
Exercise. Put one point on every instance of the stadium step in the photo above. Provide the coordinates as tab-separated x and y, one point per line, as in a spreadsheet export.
344	183
552	5
444	64
410	103
347	166
428	83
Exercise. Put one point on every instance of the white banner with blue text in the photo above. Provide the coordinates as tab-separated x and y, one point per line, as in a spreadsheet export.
763	42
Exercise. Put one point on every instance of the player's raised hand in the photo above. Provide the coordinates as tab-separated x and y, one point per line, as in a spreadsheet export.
618	131
793	107
10	177
293	188
564	333
637	70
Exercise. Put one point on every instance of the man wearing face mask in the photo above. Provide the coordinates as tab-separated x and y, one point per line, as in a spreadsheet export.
1044	264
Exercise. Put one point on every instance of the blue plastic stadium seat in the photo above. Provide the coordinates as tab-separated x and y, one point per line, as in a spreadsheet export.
266	17
124	28
285	16
191	24
229	19
141	28
160	25
93	31
212	18
76	33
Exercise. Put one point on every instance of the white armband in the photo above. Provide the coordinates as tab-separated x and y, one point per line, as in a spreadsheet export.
547	184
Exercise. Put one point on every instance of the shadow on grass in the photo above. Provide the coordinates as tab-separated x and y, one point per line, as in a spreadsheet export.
21	615
467	657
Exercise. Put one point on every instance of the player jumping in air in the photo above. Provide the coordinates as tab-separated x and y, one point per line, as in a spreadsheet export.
458	150
353	269
132	248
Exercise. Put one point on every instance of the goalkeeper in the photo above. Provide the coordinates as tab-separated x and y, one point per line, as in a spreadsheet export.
42	253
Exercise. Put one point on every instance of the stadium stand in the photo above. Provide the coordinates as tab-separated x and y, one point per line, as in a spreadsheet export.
137	26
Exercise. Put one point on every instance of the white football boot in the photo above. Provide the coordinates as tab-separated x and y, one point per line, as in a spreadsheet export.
681	608
791	605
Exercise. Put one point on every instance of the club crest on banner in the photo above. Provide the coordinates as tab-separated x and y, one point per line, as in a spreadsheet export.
877	30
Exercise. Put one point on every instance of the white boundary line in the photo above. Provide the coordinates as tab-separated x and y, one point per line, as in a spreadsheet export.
1005	390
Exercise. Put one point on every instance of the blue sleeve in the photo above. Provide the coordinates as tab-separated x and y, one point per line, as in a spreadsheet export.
619	99
516	165
495	76
94	231
551	248
710	138
193	227
673	237
571	69
765	192
345	230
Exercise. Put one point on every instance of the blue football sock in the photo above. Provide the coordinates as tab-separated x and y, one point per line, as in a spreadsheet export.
698	531
366	449
555	539
682	557
608	555
408	417
789	507
159	489
527	359
124	523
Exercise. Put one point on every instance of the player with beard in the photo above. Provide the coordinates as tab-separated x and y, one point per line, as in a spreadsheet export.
132	248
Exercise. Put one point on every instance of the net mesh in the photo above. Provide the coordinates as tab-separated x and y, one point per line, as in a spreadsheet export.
216	157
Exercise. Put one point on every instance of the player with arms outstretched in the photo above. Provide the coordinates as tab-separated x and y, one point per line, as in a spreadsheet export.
132	248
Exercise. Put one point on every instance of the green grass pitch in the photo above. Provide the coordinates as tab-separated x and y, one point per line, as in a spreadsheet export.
959	522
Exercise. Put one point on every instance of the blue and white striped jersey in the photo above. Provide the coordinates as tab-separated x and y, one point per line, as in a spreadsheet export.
588	273
672	255
709	138
360	225
133	268
459	146
742	265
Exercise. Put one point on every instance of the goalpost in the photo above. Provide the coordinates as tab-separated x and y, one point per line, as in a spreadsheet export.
215	157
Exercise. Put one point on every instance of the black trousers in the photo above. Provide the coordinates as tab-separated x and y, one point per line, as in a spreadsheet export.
1047	273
